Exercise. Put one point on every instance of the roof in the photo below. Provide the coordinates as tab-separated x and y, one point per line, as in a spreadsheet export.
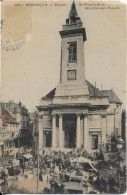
93	92
112	96
74	186
6	117
50	94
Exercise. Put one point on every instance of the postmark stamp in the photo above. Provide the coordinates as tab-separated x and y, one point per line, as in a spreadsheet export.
1	24
16	27
12	44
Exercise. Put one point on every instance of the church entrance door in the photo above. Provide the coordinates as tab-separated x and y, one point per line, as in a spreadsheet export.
48	139
94	142
69	125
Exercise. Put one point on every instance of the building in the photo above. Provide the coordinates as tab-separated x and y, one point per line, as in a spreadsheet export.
76	114
34	129
21	115
9	131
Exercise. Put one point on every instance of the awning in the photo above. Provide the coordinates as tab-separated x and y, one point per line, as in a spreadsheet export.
15	162
27	156
83	160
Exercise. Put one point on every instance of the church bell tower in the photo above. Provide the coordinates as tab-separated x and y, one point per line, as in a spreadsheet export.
72	69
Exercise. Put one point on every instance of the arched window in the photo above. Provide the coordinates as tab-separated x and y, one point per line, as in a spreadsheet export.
72	52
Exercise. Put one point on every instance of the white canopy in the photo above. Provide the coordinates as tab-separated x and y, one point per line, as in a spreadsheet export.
28	156
15	162
83	161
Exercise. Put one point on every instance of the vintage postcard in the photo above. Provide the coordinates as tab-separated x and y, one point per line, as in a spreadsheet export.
63	97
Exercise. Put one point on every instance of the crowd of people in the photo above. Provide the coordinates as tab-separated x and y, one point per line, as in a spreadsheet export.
54	166
62	160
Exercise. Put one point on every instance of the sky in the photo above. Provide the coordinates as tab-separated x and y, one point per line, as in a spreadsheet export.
32	70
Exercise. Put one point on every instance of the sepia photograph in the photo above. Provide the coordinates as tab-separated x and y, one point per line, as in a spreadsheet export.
63	97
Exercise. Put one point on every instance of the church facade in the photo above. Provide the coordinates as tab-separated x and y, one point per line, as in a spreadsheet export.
76	114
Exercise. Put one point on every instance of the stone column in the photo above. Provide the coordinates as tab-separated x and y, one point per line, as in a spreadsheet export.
78	143
85	120
60	131
103	130
40	133
54	130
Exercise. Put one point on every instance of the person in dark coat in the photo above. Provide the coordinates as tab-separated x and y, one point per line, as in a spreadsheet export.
40	176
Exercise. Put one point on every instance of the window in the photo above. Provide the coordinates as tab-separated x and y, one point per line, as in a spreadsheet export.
72	51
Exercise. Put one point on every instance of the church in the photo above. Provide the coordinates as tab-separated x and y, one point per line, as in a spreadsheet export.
76	114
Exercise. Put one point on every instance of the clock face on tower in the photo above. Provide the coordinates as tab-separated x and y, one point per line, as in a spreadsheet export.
71	75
